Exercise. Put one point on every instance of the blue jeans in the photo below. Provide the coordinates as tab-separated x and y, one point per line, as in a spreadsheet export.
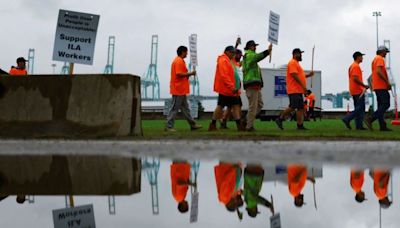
359	111
383	99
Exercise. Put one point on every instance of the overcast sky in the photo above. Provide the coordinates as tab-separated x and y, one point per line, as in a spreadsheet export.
335	200
337	28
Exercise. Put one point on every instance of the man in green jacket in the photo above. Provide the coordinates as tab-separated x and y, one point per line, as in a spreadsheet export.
252	80
253	180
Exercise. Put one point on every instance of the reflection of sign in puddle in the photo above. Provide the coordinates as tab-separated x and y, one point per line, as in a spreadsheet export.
66	175
82	216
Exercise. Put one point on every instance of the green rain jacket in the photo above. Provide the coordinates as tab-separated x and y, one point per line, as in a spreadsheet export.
251	70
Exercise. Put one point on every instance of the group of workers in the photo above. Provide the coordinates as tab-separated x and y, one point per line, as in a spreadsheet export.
228	178
381	179
234	194
380	85
232	65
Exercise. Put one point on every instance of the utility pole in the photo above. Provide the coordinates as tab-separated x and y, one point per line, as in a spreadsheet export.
377	14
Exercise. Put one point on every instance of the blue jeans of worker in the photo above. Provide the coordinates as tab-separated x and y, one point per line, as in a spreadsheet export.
359	111
383	99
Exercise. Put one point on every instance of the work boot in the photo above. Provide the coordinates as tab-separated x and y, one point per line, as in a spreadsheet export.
223	125
212	127
385	129
301	127
361	129
278	122
195	127
252	129
167	129
347	124
240	126
368	121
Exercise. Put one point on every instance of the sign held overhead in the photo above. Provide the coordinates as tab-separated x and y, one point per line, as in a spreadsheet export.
75	37
273	31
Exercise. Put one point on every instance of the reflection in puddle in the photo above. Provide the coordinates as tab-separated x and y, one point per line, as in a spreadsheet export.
236	194
63	175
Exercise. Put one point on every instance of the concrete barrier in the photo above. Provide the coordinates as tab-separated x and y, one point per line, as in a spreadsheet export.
77	106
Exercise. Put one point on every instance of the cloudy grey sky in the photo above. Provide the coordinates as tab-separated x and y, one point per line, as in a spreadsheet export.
337	28
335	199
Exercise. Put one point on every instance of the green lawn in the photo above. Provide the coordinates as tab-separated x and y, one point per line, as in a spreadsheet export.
325	129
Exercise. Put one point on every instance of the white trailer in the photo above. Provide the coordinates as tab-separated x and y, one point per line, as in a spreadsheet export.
274	92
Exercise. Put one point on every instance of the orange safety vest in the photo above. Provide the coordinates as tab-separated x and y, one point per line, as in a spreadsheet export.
179	86
381	190
357	180
16	71
296	186
311	100
180	172
377	82
224	81
225	178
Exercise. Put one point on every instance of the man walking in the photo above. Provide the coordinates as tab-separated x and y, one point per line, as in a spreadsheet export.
296	86
238	64
179	88
180	182
253	181
227	85
357	90
228	177
381	183
356	183
381	86
297	178
252	80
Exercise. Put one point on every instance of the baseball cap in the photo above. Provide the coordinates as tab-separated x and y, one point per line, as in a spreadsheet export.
383	48
297	51
21	59
356	54
250	43
230	48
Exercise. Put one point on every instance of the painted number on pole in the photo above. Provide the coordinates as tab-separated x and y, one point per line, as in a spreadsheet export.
193	50
194	209
75	37
275	221
273	31
76	217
